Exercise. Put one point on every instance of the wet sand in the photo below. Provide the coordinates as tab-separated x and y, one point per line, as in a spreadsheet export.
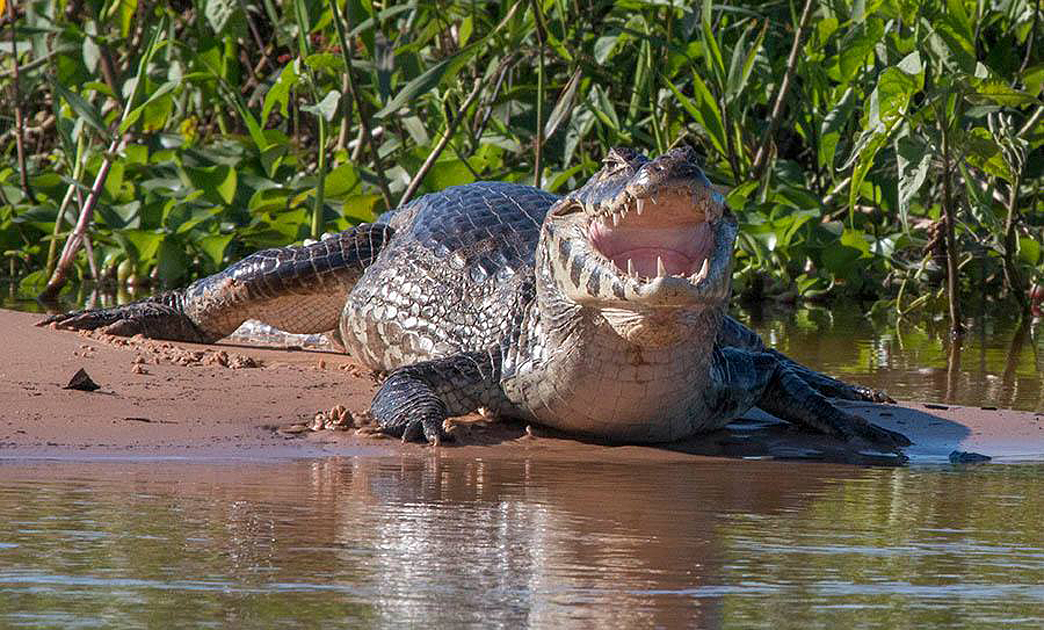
162	400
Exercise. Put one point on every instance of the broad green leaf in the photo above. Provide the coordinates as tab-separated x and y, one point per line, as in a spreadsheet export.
341	181
834	123
128	9
605	46
327	62
711	49
564	106
743	61
996	91
91	51
279	93
983	152
218	183
327	108
442	71
34	283
864	159
1029	250
114	180
446	173
360	208
223	16
140	244
913	159
214	247
857	44
705	111
171	261
894	89
136	113
83	109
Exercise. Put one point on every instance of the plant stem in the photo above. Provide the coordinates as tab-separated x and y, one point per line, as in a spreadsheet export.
956	327
451	128
538	19
19	122
343	25
1012	277
761	158
72	244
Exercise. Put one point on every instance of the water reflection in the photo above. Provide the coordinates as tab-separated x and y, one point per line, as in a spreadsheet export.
450	542
999	363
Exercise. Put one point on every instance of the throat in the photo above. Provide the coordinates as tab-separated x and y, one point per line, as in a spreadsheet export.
661	327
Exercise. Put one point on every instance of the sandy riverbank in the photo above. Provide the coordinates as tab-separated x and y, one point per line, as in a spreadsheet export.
185	401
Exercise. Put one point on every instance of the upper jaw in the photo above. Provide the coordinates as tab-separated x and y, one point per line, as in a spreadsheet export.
668	247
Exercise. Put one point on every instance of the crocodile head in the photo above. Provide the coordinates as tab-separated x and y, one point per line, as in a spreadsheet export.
646	243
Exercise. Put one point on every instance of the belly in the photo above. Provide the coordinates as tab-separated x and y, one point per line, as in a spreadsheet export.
656	397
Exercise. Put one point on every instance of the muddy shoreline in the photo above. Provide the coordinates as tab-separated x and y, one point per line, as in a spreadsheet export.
181	401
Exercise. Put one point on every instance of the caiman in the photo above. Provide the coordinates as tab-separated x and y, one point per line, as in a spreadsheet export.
600	313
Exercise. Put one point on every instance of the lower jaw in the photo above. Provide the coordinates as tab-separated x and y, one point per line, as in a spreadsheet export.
662	327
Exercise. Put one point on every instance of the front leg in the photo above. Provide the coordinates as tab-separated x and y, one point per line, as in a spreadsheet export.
769	381
415	400
735	335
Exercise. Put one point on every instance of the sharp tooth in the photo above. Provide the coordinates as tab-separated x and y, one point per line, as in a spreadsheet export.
661	271
653	199
616	219
638	203
630	267
704	270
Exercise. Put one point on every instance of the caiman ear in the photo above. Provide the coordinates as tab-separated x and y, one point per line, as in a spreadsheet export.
565	207
623	156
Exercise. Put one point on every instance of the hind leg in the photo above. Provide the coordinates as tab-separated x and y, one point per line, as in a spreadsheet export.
735	335
296	289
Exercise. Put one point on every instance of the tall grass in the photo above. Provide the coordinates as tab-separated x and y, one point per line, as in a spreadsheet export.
870	150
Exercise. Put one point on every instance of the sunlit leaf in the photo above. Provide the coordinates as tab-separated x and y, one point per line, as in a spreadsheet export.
218	183
912	161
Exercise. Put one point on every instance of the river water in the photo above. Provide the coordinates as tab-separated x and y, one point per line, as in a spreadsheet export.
387	542
432	541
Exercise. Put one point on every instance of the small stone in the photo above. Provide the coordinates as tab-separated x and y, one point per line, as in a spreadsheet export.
339	419
318	422
82	382
139	369
967	457
293	429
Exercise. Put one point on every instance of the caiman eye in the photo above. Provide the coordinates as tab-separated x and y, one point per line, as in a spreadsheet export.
617	159
567	208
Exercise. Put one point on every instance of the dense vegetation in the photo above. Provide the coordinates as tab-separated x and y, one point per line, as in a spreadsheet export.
845	132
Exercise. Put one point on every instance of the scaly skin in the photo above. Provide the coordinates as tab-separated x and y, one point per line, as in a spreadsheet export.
601	313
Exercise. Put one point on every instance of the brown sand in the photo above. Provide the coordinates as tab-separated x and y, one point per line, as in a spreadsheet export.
185	401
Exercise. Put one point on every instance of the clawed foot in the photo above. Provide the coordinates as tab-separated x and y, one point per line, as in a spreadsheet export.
869	394
858	427
416	429
151	318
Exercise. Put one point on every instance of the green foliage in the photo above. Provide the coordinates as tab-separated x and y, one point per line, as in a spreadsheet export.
247	125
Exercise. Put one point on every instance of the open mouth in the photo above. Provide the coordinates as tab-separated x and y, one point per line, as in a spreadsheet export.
655	237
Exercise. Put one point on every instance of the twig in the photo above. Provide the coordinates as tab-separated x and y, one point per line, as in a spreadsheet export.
443	141
1031	40
538	17
761	158
61	270
52	249
342	28
257	36
956	327
19	122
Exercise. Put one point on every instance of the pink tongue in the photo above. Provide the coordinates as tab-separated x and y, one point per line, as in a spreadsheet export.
644	260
